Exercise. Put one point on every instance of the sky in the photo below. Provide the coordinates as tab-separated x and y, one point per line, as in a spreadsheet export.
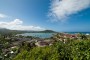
57	15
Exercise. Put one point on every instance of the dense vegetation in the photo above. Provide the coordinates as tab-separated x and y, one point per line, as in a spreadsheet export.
73	50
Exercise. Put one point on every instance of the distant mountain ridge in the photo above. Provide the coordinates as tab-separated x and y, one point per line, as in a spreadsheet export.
8	31
44	31
49	31
4	31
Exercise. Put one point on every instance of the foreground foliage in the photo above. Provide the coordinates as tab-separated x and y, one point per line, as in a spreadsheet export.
73	50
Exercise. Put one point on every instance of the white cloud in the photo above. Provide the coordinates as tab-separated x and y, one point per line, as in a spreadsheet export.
61	9
3	16
17	24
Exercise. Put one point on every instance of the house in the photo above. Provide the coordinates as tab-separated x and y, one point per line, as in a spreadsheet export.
13	47
11	52
41	43
87	34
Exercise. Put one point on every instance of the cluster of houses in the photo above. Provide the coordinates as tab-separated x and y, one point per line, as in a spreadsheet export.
15	44
9	52
16	41
65	37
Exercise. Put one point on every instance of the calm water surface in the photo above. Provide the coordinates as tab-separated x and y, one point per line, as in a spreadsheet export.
47	35
40	35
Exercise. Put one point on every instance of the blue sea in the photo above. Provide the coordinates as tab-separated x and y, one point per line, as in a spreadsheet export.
78	32
40	35
48	35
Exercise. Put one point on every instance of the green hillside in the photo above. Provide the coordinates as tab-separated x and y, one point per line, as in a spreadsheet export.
75	50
